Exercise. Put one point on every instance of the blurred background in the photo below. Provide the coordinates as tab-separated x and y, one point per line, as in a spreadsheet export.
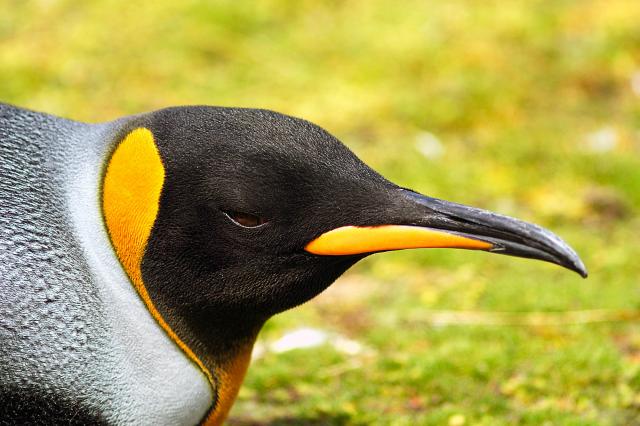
529	108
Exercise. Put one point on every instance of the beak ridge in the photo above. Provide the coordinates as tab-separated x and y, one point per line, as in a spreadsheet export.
508	235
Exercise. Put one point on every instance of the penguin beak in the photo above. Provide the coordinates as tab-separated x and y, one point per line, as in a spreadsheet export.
427	222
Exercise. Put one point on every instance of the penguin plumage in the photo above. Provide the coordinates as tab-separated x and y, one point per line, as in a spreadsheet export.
140	258
77	345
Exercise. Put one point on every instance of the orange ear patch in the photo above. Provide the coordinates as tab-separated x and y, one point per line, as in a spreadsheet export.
130	202
131	196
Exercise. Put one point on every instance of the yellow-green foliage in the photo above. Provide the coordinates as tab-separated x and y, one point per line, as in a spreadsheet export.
531	108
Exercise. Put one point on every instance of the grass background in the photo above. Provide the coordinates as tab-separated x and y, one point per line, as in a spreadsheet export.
530	108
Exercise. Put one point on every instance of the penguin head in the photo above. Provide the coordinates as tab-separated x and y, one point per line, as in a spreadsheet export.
259	212
244	193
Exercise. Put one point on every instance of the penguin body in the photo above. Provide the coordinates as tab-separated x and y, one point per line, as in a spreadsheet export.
77	345
140	258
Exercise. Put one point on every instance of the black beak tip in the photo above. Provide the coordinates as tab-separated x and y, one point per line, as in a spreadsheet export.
579	267
570	259
565	256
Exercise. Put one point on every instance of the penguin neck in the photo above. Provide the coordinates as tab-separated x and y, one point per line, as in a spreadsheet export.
230	376
219	340
229	366
223	343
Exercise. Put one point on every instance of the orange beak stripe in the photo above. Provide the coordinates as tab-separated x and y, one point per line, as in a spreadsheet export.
349	240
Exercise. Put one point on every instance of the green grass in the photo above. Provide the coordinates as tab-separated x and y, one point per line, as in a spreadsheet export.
515	92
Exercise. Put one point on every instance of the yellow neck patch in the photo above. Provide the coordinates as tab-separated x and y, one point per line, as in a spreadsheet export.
231	376
130	201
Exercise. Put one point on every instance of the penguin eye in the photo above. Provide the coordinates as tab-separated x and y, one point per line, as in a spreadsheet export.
245	219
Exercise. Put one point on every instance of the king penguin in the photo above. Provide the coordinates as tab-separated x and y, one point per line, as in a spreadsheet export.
139	258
